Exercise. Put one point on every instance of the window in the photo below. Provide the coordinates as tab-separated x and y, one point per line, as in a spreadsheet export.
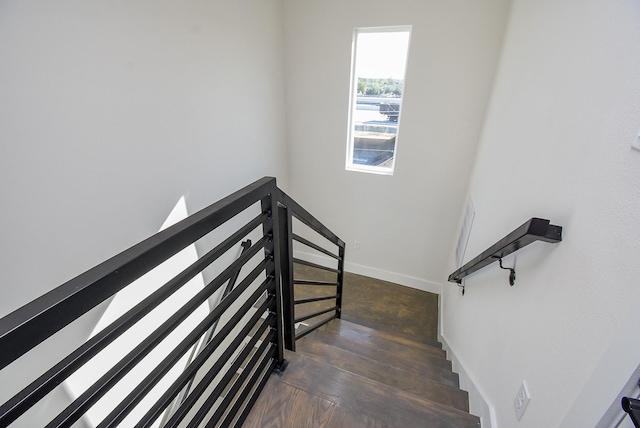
379	60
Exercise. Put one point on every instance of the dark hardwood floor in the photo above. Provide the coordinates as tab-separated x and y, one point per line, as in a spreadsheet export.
378	366
378	304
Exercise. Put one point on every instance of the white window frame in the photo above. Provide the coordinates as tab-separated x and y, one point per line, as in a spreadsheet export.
353	93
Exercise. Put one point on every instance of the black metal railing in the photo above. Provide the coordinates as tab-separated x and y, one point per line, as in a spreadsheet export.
255	320
314	300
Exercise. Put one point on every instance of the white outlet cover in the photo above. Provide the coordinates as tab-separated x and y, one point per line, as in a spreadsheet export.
522	400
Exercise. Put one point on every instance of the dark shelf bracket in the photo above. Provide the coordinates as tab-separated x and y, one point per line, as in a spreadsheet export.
536	229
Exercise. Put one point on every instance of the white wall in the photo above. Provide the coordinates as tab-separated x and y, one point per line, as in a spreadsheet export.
556	144
111	110
400	220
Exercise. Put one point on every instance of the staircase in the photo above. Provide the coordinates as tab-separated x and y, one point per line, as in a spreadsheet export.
343	373
348	375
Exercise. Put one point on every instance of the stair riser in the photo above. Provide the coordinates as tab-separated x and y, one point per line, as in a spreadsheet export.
345	327
380	402
385	374
344	375
378	341
436	369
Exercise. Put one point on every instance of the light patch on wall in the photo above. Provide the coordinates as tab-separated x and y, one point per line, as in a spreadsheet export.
123	301
465	232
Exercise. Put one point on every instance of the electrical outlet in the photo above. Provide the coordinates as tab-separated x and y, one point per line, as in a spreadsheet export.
521	401
356	245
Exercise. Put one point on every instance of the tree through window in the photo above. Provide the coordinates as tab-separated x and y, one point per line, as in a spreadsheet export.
379	60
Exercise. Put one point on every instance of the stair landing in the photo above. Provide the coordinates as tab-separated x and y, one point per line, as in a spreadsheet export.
349	375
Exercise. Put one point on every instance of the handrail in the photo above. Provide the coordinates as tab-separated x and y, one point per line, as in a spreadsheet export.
56	375
306	217
272	321
77	296
535	229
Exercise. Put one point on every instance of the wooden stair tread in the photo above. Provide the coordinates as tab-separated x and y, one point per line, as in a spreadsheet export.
435	368
282	405
383	373
408	348
360	398
354	330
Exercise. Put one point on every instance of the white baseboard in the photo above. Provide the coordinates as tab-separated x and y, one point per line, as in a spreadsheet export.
478	403
384	275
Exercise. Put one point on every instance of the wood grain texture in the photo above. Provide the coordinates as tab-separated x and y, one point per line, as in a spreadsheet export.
381	305
407	349
434	368
282	406
379	366
352	330
347	418
369	398
383	373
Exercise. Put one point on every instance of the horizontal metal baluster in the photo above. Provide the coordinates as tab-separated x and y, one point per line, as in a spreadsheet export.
44	316
314	246
73	412
312	282
215	394
231	395
34	392
315	265
123	409
24	328
148	419
256	394
315	299
315	314
315	327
